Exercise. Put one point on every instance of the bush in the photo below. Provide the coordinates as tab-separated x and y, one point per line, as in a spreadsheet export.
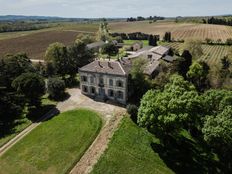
56	88
132	110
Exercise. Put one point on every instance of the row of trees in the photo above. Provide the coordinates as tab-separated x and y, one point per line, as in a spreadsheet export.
140	18
21	26
218	21
134	36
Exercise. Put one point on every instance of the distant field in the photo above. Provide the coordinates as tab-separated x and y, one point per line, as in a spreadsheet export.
212	53
54	146
130	42
180	31
35	43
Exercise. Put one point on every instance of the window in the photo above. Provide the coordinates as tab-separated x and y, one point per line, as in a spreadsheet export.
120	95
85	89
111	93
93	90
84	78
91	79
119	83
101	80
111	82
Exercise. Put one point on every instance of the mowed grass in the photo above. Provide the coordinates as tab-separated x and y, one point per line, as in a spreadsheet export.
130	152
53	147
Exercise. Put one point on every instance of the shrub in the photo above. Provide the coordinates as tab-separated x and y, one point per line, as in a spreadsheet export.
56	88
132	110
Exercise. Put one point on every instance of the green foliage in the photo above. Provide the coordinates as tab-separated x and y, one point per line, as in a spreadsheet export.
103	32
167	37
198	75
138	81
194	47
78	56
12	66
165	112
31	85
11	108
57	55
152	40
51	147
184	63
86	38
133	111
56	88
111	49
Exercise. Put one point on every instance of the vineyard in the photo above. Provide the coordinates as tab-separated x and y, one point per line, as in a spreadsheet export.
212	53
180	31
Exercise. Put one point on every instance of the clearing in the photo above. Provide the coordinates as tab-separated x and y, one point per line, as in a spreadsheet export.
54	146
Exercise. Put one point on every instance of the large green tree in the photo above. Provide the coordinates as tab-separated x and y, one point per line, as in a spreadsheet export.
194	47
57	56
198	75
31	85
167	112
218	134
11	66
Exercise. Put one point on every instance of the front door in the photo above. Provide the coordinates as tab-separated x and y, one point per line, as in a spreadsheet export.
102	92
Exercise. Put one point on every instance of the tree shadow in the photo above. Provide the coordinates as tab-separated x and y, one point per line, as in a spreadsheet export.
61	97
185	156
36	113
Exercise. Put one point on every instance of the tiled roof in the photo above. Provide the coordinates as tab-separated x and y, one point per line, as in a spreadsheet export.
161	50
169	58
96	44
151	67
105	67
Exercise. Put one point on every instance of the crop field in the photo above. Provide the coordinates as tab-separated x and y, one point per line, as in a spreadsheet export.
35	43
212	53
180	31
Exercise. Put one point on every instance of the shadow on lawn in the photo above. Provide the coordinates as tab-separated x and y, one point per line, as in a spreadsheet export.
186	156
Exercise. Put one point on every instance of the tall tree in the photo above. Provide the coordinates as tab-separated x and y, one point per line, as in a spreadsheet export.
103	32
194	47
166	112
184	63
198	75
57	56
32	86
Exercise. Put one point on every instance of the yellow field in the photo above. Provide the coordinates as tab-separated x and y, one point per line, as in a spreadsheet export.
180	31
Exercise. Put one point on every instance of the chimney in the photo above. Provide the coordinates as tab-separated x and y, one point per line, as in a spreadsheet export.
99	63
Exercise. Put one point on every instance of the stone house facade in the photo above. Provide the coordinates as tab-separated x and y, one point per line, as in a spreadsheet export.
105	80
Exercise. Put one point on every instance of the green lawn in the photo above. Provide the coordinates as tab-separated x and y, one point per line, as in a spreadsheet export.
53	147
130	42
130	152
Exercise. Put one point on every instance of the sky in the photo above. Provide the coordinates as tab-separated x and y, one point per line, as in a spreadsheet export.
115	8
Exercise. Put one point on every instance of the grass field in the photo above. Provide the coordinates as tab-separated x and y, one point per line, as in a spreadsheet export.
130	152
212	53
180	31
54	146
